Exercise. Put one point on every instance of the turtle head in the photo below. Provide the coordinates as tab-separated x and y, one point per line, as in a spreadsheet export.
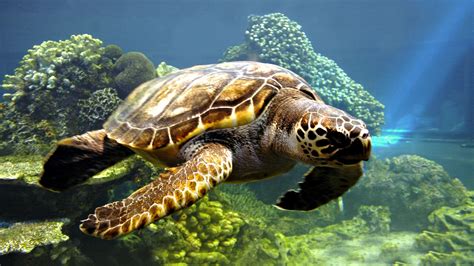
328	136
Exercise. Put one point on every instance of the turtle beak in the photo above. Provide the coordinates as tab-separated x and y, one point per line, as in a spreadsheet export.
359	150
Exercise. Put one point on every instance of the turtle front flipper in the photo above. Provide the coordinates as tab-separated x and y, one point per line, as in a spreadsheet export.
78	158
320	185
172	190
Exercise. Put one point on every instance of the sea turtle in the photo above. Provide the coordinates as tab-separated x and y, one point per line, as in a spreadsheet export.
227	122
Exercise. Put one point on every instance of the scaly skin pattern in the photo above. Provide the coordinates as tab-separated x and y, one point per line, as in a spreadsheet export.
325	131
174	189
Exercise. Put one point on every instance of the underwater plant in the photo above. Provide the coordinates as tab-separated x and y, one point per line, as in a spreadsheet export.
276	39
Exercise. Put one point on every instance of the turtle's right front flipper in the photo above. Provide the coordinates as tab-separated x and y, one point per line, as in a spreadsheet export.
174	189
78	158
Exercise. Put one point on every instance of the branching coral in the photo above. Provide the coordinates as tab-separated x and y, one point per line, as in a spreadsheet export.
274	38
94	110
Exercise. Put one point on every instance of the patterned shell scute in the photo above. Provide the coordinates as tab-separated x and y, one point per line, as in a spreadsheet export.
172	109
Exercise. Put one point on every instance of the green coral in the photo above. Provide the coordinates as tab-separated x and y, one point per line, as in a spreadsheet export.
164	69
276	39
131	70
24	237
94	110
241	199
449	238
206	233
45	90
409	185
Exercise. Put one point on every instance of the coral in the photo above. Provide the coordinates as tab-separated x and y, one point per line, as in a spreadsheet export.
276	39
241	199
206	233
94	110
113	52
131	70
24	237
410	186
46	86
449	238
377	218
164	69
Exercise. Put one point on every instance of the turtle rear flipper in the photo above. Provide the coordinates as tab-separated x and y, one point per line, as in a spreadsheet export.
78	158
174	189
320	185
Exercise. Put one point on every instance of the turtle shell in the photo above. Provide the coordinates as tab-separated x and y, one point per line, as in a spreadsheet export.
167	111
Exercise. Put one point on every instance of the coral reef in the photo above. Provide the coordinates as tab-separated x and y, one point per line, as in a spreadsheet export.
24	237
131	70
449	238
410	186
206	233
46	87
94	110
276	39
164	69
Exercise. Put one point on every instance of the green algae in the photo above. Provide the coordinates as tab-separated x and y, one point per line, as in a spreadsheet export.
25	236
20	169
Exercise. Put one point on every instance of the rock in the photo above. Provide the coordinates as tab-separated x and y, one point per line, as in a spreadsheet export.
449	238
410	186
25	236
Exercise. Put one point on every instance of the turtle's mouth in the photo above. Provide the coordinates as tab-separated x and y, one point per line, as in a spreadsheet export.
358	151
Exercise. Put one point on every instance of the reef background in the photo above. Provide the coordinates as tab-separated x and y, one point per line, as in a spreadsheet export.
402	66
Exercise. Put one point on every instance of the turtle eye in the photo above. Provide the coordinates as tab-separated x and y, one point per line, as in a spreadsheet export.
308	93
338	139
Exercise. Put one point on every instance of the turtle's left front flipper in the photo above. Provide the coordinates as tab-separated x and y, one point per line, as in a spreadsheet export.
172	190
320	185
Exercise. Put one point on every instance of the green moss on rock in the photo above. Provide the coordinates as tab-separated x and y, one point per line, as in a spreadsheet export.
24	237
449	238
